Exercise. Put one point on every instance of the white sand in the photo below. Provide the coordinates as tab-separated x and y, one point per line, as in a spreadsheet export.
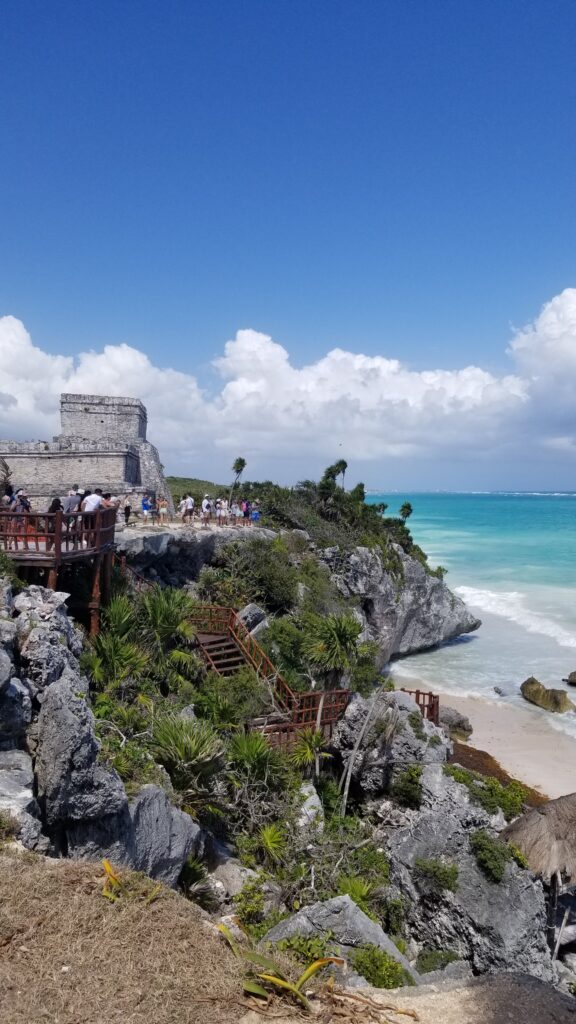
523	741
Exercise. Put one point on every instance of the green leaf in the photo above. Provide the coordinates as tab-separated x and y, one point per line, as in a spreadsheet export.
253	989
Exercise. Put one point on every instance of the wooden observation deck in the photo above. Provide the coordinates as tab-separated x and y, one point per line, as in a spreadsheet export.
51	541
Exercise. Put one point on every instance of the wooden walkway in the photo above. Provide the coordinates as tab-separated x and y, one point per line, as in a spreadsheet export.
50	541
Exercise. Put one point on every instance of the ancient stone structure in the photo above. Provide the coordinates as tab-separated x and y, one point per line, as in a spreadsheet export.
102	444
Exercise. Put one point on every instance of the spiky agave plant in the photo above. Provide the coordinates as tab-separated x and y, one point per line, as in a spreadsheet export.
193	754
252	756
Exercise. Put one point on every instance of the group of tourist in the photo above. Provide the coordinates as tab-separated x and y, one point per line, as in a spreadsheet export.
223	512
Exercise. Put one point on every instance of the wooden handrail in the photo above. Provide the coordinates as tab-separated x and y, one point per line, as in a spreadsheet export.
53	537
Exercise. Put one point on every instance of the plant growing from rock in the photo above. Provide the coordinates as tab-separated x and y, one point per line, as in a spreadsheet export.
307	752
434	960
379	968
359	890
492	856
487	791
436	876
407	787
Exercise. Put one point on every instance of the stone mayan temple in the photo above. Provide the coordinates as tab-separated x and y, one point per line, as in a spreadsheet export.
102	444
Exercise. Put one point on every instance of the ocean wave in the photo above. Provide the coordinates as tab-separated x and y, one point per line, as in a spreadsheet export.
510	605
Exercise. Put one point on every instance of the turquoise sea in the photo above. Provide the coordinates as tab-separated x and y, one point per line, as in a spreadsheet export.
512	558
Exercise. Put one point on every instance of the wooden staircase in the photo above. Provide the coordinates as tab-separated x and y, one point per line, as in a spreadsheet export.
226	645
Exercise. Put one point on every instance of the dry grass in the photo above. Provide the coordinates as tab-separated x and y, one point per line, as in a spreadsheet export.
70	956
546	836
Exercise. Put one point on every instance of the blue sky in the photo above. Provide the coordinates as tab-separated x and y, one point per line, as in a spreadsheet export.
395	179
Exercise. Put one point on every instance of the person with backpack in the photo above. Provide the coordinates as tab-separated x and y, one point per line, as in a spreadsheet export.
206	510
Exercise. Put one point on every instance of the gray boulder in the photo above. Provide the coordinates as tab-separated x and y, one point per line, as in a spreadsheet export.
495	926
15	713
397	737
72	784
16	783
404	615
6	669
311	812
163	837
349	927
252	615
454	722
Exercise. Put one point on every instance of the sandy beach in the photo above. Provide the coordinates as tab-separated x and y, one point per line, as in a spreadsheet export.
523	741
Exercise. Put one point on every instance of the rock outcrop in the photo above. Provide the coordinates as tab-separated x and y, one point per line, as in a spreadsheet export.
495	926
551	700
397	737
345	924
408	612
52	781
454	722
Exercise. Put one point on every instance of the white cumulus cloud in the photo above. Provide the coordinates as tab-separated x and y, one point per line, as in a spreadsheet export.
370	408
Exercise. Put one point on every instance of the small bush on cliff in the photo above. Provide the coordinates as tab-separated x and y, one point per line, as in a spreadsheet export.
436	876
491	855
9	827
434	960
489	792
193	754
407	788
379	968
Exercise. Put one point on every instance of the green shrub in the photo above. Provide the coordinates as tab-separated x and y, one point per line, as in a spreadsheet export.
308	948
436	875
379	968
358	889
9	827
434	740
491	855
417	725
371	862
393	914
489	792
434	960
407	788
249	902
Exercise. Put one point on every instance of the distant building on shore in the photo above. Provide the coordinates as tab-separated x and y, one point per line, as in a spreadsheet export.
102	444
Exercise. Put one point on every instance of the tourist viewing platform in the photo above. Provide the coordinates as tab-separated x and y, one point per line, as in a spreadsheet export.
49	539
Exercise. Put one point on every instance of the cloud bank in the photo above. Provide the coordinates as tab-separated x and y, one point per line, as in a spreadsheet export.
371	409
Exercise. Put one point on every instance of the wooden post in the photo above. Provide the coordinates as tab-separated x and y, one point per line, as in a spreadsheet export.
94	603
107	577
551	915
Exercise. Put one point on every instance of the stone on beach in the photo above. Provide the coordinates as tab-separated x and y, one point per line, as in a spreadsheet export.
551	700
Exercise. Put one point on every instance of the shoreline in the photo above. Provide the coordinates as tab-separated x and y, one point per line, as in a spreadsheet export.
523	742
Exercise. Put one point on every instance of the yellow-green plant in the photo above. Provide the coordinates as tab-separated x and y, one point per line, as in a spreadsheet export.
272	974
307	752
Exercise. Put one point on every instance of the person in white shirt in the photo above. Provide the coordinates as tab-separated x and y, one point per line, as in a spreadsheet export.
188	508
93	501
206	510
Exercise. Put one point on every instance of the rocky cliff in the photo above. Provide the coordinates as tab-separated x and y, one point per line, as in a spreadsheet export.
404	612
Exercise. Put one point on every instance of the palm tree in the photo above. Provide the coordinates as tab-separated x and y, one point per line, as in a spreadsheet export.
340	468
331	646
307	751
406	511
193	754
238	467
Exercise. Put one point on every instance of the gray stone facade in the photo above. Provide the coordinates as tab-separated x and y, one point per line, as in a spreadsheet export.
102	444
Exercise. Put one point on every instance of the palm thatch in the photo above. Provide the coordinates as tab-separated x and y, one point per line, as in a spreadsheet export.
546	835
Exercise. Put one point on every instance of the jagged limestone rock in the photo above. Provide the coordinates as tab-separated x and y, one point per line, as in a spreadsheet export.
551	700
311	812
15	713
411	612
454	722
72	784
381	756
495	926
349	926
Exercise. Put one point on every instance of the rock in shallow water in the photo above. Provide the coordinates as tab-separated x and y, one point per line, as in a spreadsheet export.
551	700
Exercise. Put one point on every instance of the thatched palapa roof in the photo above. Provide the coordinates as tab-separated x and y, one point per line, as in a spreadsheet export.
546	835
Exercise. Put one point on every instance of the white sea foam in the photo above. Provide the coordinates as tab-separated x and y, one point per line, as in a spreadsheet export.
511	605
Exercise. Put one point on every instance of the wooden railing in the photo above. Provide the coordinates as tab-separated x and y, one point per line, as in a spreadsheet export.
56	537
429	704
